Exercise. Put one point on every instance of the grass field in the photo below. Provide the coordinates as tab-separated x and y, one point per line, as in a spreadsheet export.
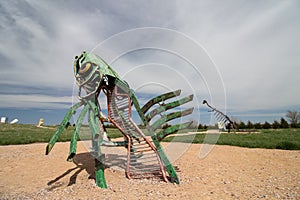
269	138
288	139
27	133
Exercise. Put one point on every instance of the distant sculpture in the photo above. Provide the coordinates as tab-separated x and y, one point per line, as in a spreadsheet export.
223	120
14	121
41	123
145	155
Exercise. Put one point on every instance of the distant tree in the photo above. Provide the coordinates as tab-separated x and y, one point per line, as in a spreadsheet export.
283	123
194	124
266	125
257	125
236	121
241	125
200	126
293	117
228	126
249	125
275	124
165	125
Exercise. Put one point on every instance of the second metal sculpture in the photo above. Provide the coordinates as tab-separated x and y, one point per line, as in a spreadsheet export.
222	118
145	155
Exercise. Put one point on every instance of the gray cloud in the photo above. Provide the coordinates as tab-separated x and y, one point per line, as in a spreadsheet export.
255	45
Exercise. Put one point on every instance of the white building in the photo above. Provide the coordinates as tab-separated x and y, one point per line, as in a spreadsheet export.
4	120
14	121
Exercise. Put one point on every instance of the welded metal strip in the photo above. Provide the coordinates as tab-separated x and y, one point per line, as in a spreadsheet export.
158	99
171	116
168	106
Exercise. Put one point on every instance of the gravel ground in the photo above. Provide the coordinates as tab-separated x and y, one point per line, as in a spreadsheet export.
225	173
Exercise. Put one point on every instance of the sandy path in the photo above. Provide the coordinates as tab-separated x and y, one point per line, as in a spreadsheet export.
226	173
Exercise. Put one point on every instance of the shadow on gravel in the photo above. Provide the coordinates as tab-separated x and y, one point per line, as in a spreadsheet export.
85	161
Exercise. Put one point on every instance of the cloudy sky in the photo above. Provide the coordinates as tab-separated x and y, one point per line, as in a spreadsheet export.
242	56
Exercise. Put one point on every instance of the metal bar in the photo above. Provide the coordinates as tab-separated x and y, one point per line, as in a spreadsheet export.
143	150
133	98
62	127
141	147
114	144
232	124
127	171
171	130
94	126
73	144
144	162
155	150
158	99
144	169
164	159
145	156
100	178
94	145
171	116
168	106
99	165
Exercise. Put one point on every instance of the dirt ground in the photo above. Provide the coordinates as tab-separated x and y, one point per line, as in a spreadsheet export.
225	173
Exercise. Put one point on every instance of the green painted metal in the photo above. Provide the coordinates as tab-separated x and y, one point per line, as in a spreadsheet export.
100	178
159	99
94	127
94	75
156	137
171	116
99	166
73	144
61	127
172	129
97	134
166	162
91	119
96	130
138	108
168	106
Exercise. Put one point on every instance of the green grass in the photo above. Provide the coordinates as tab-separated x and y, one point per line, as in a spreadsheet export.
271	138
288	139
27	133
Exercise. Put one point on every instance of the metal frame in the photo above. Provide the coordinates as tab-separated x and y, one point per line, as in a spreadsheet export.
141	149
